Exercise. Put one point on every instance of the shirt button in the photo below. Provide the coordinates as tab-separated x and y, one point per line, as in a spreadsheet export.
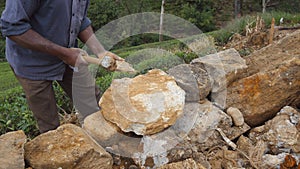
73	14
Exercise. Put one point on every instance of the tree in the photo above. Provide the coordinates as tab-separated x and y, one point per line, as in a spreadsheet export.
161	20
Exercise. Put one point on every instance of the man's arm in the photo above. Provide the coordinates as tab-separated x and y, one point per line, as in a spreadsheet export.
88	37
34	41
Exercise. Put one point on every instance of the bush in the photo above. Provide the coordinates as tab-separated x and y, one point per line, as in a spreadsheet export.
104	82
15	114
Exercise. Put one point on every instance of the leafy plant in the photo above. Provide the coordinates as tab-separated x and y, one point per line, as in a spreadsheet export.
15	114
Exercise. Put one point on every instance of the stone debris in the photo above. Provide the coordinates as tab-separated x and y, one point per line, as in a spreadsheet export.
12	150
145	105
67	147
186	164
280	133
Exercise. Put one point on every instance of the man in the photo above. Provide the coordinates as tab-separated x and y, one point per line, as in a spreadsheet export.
41	48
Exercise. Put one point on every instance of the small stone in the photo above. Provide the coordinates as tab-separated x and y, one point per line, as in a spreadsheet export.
289	161
133	167
245	144
236	115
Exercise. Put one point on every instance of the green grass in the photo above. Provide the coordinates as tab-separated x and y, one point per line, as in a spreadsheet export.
8	80
288	19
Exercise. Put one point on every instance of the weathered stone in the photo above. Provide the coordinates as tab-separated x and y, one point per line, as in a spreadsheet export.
223	68
289	161
236	115
263	89
245	144
146	104
221	158
185	79
280	133
209	119
264	93
236	131
12	150
67	147
196	125
203	79
104	132
187	164
193	132
226	63
273	161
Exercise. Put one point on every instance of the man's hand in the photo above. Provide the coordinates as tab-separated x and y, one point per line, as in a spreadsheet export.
75	57
113	59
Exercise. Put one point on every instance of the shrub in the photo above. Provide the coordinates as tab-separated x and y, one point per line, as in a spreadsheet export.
104	82
15	114
2	48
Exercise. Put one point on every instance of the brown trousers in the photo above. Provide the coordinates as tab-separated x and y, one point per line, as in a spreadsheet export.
79	86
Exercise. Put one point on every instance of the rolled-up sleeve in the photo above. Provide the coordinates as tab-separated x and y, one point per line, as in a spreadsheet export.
86	21
15	19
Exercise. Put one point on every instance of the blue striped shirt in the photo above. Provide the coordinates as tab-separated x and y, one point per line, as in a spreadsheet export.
59	21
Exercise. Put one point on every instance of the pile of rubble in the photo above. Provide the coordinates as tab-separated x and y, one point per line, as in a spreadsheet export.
219	111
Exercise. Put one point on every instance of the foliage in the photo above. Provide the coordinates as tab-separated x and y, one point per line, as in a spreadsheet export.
199	14
15	114
103	11
104	82
62	99
288	18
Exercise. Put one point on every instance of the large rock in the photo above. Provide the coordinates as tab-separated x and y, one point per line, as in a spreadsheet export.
281	133
67	147
146	104
261	95
271	81
223	68
193	80
12	150
104	132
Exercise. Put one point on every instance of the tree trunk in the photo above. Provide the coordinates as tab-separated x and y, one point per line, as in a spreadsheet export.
161	20
264	5
237	8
